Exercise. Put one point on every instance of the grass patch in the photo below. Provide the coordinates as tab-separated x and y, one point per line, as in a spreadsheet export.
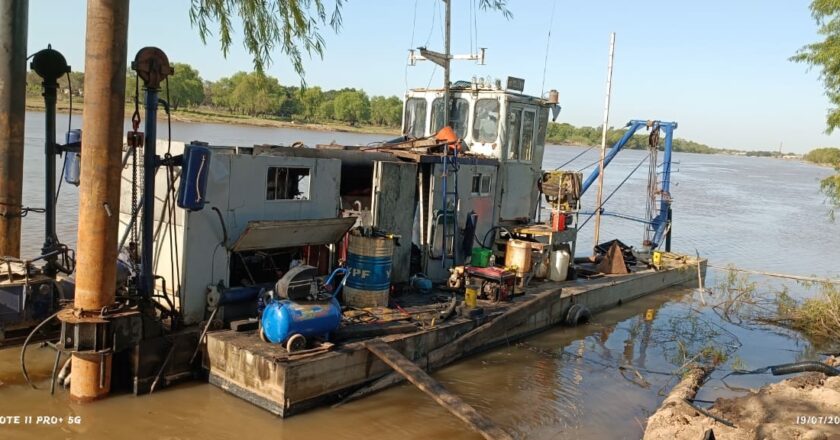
817	317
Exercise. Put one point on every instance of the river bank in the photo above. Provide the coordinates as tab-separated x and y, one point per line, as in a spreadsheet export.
804	407
217	117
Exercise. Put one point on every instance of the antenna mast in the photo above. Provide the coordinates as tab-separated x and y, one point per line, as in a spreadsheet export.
443	59
604	128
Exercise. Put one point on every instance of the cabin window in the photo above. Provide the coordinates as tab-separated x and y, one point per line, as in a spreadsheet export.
514	126
458	116
284	183
481	184
486	120
527	144
415	117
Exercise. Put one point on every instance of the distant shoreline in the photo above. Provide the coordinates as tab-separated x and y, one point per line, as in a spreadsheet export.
207	116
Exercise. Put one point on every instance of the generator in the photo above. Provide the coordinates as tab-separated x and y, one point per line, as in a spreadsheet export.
496	283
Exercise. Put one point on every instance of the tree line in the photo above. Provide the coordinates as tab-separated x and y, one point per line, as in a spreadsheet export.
824	156
252	94
562	133
256	94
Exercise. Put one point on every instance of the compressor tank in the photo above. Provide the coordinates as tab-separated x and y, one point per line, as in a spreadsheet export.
283	319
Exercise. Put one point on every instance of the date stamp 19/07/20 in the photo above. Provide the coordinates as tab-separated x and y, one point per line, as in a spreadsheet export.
818	420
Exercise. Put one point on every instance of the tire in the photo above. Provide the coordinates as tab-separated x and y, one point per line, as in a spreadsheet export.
576	315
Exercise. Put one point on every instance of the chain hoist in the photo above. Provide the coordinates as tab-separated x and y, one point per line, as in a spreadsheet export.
135	140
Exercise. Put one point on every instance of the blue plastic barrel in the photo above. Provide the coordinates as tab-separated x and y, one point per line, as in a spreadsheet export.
73	161
369	261
192	190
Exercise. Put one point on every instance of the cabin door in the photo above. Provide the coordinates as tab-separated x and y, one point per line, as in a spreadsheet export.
519	189
394	192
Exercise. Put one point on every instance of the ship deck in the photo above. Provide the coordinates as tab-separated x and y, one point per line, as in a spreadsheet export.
288	383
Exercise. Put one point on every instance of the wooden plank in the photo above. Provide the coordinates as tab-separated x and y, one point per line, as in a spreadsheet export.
433	388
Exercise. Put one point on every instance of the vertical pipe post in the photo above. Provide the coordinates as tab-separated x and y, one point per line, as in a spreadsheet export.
14	22
99	195
149	170
599	197
448	58
50	238
152	67
50	65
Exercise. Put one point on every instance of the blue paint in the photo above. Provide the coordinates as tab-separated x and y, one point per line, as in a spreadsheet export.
368	273
283	319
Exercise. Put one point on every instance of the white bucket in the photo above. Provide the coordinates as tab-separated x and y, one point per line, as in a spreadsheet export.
559	265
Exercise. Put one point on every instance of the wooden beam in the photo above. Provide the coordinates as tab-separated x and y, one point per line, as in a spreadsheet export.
433	388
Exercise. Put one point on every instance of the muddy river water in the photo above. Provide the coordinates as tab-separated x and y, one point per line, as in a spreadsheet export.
757	213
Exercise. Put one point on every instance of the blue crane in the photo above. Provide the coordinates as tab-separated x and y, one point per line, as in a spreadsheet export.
659	222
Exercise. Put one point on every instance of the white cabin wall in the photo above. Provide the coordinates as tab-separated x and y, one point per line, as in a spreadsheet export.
205	258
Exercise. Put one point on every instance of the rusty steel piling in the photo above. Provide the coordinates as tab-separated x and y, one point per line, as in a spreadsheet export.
13	34
99	194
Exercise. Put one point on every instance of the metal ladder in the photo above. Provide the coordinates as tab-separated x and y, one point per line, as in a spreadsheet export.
450	199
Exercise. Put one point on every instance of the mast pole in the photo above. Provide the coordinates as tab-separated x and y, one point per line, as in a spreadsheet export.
13	32
599	196
447	58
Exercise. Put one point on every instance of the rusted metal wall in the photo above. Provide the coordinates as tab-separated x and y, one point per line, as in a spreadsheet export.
13	33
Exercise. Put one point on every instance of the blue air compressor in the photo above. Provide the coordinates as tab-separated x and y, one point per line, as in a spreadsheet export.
300	308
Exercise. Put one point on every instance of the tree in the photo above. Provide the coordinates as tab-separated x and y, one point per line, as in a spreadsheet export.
247	93
311	99
352	106
825	55
326	110
293	25
185	86
386	111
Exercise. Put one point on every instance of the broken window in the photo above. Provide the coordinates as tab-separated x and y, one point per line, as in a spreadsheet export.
486	120
458	116
284	183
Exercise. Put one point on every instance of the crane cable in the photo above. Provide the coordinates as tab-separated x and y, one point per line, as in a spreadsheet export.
615	190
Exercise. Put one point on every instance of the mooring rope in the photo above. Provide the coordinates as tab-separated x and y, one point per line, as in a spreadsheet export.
777	275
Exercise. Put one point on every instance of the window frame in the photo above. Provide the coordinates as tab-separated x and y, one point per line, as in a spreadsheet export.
424	114
482	179
307	193
516	114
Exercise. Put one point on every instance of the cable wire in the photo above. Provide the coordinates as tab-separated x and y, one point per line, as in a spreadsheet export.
547	45
614	191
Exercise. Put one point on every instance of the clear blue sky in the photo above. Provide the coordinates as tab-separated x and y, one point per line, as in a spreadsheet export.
720	68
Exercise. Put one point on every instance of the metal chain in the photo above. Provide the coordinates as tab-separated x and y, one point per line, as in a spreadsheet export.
135	124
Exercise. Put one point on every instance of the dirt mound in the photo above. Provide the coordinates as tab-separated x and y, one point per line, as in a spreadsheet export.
804	407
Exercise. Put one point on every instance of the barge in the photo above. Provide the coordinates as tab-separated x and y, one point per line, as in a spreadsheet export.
302	275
